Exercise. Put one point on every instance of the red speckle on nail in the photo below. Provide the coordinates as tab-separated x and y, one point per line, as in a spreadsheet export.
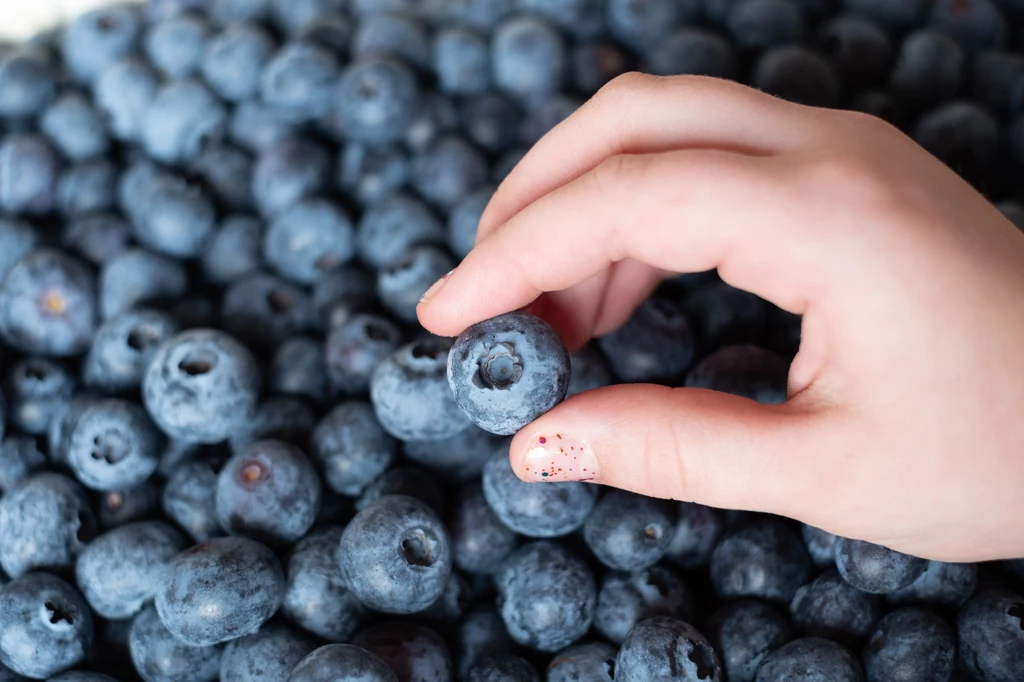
543	440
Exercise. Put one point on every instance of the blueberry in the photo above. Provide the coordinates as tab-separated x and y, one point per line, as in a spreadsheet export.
743	633
990	636
747	371
594	662
581	18
17	240
860	50
929	68
355	348
45	522
265	656
256	126
293	16
119	571
655	344
810	659
288	171
464	219
233	61
963	136
831	608
299	369
387	34
664	648
538	511
629	532
352	448
998	80
481	635
764	559
297	82
692	51
74	126
220	590
492	122
370	173
724	315
461	61
502	668
37	390
797	74
396	555
625	599
332	32
695	535
343	293
317	597
480	541
375	101
159	656
225	172
342	663
97	38
819	545
281	418
410	393
269	491
263	311
138	276
227	12
459	458
27	86
546	595
20	458
183	117
171	216
175	45
875	569
910	640
201	386
123	93
941	585
528	58
595	64
112	445
894	14
28	174
311	237
414	652
46	624
437	116
119	507
973	23
234	250
86	187
640	24
388	229
404	480
448	170
402	284
757	24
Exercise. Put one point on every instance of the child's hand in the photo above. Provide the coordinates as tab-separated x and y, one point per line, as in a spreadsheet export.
905	424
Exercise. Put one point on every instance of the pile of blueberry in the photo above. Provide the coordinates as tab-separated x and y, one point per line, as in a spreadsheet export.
229	452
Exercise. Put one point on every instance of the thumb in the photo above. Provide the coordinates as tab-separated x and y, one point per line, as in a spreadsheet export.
679	443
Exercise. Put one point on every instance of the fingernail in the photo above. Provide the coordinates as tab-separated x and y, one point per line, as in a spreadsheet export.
558	457
434	288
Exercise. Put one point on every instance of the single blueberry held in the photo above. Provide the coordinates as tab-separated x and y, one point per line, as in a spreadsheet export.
46	624
629	532
594	662
410	394
396	555
413	652
910	640
268	491
48	304
625	599
873	568
480	541
538	511
743	632
317	597
810	659
113	444
664	648
546	596
201	386
119	571
831	608
45	523
696	534
507	371
159	656
342	663
990	636
265	656
764	559
220	590
655	344
352	448
941	585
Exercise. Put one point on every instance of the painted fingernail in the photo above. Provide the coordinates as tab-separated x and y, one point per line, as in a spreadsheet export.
434	288
559	457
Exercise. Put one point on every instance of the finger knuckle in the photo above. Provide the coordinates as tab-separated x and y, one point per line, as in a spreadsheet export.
625	85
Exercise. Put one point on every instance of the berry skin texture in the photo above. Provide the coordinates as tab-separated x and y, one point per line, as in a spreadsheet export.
655	344
546	596
810	659
875	569
480	542
765	560
265	656
990	636
220	590
396	555
664	648
113	445
159	657
831	608
375	101
308	239
507	371
743	633
910	644
625	599
594	662
201	386
351	448
317	598
628	532
747	371
941	585
45	624
342	663
413	652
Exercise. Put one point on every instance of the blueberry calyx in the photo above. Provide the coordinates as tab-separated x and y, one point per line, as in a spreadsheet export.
500	368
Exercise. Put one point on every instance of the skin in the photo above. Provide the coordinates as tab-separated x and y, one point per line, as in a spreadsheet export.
902	425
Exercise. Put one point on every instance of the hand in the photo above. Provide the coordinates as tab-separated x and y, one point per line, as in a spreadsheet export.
904	423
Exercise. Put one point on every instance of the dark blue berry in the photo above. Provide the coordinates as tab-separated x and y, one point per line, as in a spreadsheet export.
118	507
234	59
502	668
263	311
693	51
74	126
123	93
299	369
831	608
665	648
353	350
352	448
875	569
459	458
480	541
317	597
169	215
225	171
528	58
413	652
747	371
188	499
183	116
389	228
175	45
797	74
819	545
594	662
234	251
625	599
112	444
342	663
641	24
138	276
743	633
375	101
695	535
37	391
461	61
19	459
158	656
265	656
765	560
97	38
370	173
629	532
655	344
860	50
941	585
28	174
481	635
910	644
308	239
